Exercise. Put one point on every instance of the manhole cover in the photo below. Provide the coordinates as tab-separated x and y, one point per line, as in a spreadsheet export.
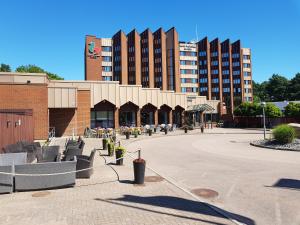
205	193
41	194
153	179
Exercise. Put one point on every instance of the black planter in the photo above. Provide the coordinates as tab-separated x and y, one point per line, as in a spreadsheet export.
155	129
114	138
119	155
127	135
185	130
135	135
104	143
150	132
139	171
202	129
166	131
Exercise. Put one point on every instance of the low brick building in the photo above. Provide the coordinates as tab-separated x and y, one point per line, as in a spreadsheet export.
71	106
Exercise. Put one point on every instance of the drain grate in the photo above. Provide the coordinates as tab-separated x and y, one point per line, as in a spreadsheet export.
205	193
153	179
41	194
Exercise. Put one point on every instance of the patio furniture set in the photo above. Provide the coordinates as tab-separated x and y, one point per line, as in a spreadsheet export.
29	166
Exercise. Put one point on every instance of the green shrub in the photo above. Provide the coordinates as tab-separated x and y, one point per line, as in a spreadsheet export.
284	134
110	148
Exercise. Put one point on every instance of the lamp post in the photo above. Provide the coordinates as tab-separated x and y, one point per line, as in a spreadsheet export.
264	118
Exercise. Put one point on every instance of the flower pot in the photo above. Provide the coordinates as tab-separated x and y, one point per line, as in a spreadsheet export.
104	143
127	135
150	132
155	129
139	170
202	129
166	131
119	155
185	130
135	135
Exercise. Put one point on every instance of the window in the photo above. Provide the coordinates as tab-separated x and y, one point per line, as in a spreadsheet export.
204	71
225	72
182	62
214	63
246	56
236	64
193	53
106	68
107	78
247	90
202	62
202	89
202	53
106	58
215	80
226	63
203	80
213	54
226	81
247	74
246	65
236	72
226	90
215	89
237	81
106	48
214	71
235	55
226	54
248	82
182	53
183	89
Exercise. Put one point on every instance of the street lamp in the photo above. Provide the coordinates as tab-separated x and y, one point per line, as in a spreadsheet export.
263	104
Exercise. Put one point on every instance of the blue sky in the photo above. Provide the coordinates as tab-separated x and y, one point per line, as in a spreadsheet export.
51	34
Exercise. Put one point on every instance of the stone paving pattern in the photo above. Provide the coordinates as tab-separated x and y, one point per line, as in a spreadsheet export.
103	199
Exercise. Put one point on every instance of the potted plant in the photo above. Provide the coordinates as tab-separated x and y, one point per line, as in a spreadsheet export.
154	129
104	143
135	133
127	133
185	128
120	152
150	132
139	166
202	128
110	148
166	130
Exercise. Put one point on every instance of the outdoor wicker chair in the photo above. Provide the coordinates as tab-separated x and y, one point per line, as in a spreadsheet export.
72	151
49	154
85	162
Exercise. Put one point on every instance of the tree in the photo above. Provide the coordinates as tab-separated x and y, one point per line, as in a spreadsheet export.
5	68
254	109
272	110
259	91
35	69
294	88
276	88
292	110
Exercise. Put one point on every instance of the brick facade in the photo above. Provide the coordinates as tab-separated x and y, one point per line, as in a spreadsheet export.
28	96
64	121
83	110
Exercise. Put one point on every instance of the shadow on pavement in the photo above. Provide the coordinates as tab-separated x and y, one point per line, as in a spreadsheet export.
177	204
287	183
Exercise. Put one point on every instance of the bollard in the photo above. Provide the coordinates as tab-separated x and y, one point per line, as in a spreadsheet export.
139	166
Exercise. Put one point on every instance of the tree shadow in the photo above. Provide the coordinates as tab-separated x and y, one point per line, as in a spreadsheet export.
178	204
287	183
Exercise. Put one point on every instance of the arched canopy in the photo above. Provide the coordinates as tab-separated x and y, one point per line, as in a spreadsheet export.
165	108
104	105
129	106
148	108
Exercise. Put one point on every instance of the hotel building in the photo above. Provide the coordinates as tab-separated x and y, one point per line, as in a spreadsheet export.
218	70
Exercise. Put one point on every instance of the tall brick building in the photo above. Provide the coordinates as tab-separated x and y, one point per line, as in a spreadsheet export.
215	69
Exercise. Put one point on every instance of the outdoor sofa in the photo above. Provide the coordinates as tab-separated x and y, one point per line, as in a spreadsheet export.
85	162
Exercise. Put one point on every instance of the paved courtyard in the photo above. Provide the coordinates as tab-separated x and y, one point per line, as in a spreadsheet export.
221	160
245	177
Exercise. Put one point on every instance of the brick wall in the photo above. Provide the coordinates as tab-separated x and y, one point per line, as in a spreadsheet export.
28	96
83	110
64	120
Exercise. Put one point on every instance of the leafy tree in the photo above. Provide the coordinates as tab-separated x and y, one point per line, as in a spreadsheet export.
276	88
259	91
294	88
5	68
292	109
272	110
35	69
254	109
